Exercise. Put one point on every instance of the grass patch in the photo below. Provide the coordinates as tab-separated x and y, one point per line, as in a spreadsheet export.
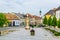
54	32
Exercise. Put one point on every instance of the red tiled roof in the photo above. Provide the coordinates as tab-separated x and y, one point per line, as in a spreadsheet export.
33	16
10	16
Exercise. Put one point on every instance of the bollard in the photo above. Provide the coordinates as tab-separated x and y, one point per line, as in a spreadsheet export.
32	32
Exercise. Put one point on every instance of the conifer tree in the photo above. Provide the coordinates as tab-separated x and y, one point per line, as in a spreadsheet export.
54	21
45	21
49	21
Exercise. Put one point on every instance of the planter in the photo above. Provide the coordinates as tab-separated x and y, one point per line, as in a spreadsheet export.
32	32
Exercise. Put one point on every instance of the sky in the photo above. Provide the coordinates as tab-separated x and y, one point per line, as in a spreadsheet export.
28	6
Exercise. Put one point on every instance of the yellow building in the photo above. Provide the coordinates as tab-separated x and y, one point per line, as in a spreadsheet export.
47	16
50	13
34	19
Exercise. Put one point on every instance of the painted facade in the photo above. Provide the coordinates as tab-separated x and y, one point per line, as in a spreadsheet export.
50	13
58	13
47	16
12	19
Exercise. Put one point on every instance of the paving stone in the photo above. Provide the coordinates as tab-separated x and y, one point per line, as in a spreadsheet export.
22	34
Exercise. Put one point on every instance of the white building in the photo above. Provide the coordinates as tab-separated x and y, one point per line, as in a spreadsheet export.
12	19
58	13
15	22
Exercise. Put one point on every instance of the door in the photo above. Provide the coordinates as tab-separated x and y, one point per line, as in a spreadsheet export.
13	23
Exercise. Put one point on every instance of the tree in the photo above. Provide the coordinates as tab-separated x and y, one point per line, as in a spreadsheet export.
45	20
54	21
3	19
58	23
49	21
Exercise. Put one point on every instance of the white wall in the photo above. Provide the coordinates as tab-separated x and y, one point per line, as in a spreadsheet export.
17	22
58	14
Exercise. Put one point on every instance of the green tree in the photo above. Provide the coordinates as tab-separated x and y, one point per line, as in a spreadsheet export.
58	23
54	21
49	21
3	19
45	20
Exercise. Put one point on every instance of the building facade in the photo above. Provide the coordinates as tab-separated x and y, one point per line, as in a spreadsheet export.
50	13
55	11
58	13
12	19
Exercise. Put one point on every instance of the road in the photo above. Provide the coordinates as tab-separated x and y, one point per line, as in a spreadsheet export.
22	34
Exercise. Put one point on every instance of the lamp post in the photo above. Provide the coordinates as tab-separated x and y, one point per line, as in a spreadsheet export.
27	23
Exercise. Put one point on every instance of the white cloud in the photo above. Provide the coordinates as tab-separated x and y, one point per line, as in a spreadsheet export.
31	6
29	3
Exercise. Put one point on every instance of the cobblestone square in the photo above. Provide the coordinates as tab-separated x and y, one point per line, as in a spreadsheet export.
22	34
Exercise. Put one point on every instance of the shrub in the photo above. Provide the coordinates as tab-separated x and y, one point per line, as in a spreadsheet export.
58	23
